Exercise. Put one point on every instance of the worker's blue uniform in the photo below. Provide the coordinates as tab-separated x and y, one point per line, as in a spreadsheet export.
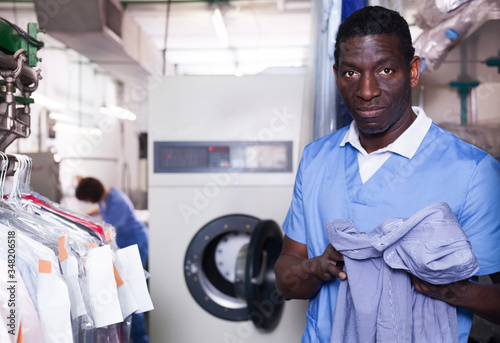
444	168
118	211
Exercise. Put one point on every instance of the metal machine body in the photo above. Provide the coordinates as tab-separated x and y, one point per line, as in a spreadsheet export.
18	50
225	151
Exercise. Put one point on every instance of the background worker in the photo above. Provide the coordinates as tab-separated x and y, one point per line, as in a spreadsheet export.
117	209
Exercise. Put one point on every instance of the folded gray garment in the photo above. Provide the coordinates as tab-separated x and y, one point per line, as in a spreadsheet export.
377	302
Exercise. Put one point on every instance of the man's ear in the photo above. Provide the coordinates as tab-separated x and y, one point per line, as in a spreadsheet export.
335	71
415	65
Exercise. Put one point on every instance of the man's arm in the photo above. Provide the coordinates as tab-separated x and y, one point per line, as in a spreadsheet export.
480	298
298	277
93	211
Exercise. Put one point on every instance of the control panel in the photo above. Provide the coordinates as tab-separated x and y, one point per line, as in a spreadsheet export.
209	157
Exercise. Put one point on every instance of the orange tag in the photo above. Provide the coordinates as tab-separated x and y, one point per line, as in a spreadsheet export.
108	236
118	279
91	245
63	254
20	338
44	267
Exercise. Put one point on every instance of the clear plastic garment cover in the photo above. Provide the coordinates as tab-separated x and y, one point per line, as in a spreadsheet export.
63	279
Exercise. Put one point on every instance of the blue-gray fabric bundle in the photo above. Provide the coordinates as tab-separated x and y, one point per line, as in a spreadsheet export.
377	302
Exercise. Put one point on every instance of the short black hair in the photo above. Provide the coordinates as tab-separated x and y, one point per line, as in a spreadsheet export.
376	20
89	189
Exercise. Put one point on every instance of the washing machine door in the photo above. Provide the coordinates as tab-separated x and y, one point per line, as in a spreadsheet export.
229	269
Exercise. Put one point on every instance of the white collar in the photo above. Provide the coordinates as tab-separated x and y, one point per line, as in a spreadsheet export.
406	144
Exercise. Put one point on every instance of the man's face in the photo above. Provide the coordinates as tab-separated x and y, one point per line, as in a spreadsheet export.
375	82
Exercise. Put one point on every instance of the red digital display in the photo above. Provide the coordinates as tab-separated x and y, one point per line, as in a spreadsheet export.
218	148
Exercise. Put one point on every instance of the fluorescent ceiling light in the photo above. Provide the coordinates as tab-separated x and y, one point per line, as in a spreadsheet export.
220	28
92	131
67	117
47	102
118	112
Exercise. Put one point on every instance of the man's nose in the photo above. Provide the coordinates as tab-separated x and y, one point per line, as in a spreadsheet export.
368	88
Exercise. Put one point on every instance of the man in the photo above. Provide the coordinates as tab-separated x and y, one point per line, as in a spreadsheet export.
117	209
390	163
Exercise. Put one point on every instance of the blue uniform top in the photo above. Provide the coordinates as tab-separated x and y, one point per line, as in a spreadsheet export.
118	211
444	169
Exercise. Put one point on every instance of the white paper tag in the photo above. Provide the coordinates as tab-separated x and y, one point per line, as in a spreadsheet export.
133	274
103	294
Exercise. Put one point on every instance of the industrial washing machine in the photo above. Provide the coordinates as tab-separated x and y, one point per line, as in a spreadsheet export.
223	153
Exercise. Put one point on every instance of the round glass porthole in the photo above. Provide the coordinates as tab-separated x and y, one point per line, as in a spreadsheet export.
229	269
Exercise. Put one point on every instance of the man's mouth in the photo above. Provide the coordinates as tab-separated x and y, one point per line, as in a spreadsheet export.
369	111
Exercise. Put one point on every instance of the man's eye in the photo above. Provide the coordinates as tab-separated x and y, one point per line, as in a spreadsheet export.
349	73
386	71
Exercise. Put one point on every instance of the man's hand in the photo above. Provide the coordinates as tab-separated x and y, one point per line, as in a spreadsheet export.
331	264
451	293
482	299
301	277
